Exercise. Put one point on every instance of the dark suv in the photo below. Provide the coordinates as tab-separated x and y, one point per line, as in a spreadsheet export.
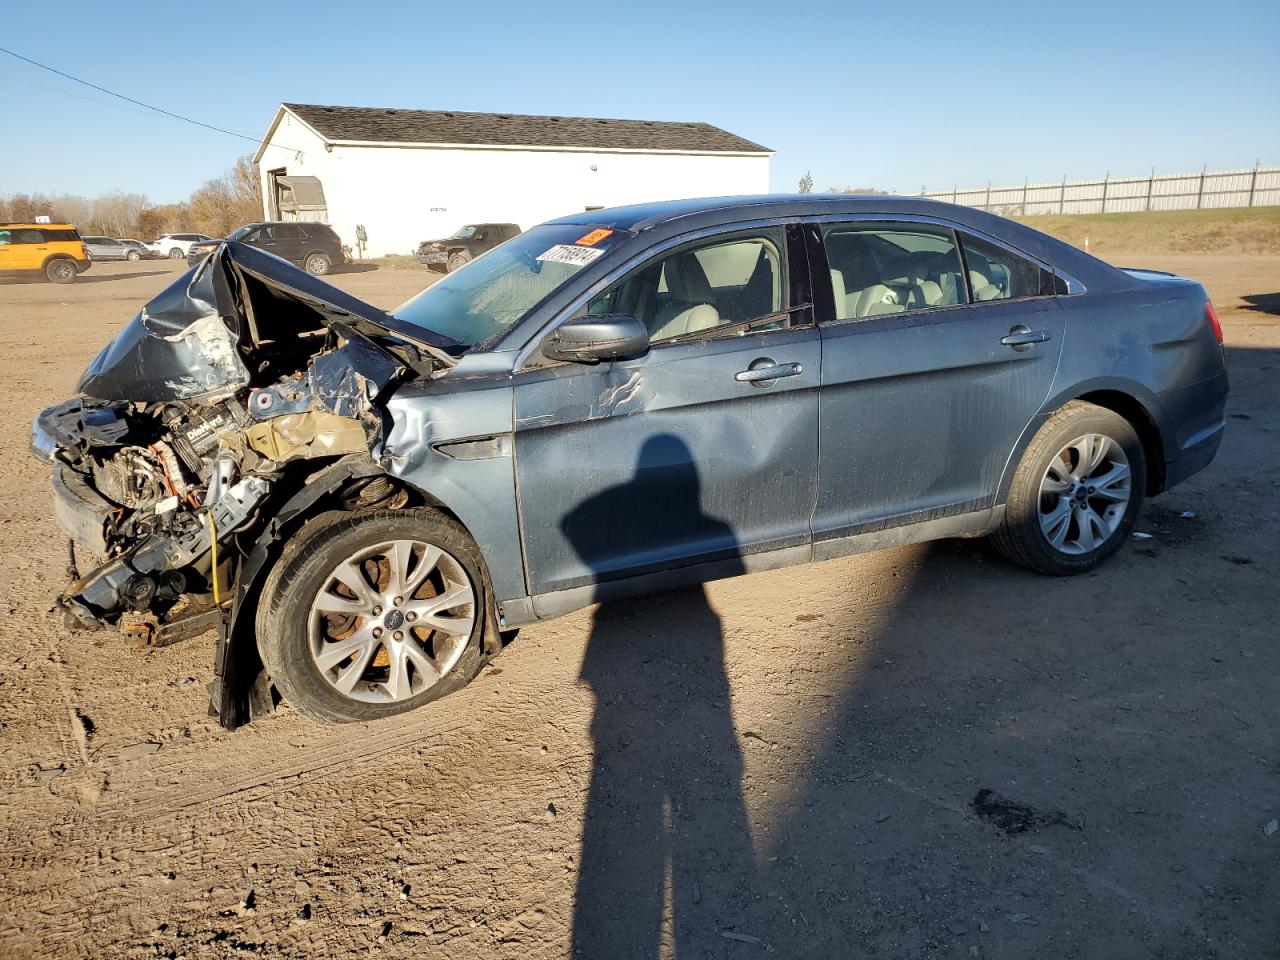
313	246
465	245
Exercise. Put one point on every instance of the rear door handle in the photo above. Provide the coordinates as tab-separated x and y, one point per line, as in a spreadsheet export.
764	371
1021	338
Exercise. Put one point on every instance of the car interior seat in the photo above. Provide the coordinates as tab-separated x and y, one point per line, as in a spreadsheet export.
690	305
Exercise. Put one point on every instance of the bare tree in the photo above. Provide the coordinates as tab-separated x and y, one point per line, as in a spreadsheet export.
806	182
217	207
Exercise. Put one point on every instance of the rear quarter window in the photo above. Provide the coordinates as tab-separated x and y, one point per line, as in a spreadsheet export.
998	274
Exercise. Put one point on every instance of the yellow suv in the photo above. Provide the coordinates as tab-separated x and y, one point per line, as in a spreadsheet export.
53	249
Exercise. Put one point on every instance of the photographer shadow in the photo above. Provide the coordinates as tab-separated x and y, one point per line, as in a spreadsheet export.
666	836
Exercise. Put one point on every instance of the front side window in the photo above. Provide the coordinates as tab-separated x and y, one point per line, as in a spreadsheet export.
699	288
883	268
6	238
997	274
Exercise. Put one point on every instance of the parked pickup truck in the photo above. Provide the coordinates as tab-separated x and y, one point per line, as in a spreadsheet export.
465	245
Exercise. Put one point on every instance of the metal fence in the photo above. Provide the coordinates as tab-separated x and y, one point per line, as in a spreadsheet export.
1255	187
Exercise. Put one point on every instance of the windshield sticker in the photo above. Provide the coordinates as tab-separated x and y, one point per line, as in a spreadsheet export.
594	237
566	253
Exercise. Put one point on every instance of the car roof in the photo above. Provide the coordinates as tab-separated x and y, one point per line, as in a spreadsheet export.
676	216
24	223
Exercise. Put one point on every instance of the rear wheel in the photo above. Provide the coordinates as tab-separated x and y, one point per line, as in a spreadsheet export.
457	260
318	264
375	615
133	256
1076	494
60	271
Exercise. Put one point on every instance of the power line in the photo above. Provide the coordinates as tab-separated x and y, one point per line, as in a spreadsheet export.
121	96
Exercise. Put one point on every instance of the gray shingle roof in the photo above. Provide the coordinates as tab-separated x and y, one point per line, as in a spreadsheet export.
377	125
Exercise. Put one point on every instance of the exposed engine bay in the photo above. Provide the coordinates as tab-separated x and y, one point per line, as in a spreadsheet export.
225	394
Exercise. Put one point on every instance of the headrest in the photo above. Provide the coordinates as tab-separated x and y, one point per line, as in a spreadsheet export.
686	280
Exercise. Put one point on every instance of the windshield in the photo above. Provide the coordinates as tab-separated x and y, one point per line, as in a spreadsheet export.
241	233
490	294
463	233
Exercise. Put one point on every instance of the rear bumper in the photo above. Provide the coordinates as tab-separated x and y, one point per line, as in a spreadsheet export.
1194	457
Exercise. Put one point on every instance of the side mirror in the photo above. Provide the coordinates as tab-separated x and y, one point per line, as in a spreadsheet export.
592	339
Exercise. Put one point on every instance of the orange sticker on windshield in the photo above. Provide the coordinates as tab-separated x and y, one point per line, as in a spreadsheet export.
594	237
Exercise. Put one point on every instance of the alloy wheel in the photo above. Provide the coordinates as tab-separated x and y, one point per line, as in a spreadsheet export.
391	621
1084	494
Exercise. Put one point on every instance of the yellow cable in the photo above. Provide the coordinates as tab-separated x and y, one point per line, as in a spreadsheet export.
213	549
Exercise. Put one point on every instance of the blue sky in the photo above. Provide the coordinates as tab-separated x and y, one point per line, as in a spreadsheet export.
888	95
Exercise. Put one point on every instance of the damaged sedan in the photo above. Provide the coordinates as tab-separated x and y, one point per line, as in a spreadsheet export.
363	505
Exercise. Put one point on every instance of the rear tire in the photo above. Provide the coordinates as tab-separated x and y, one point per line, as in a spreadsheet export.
61	271
318	264
299	639
457	260
1076	494
133	256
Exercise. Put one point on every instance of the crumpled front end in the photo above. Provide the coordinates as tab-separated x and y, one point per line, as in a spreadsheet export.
213	405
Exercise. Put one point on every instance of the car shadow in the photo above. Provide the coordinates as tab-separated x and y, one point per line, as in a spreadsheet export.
88	277
1263	302
948	755
109	277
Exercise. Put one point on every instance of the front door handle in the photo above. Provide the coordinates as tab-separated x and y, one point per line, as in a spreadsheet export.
1021	338
764	371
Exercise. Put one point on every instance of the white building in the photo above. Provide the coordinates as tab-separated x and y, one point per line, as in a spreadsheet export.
413	175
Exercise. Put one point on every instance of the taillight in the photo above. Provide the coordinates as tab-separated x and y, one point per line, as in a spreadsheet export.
1212	316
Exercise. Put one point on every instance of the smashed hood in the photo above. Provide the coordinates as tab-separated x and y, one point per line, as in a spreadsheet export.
198	338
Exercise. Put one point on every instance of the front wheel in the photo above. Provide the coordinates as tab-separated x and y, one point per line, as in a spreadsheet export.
375	615
318	264
1076	494
177	254
457	260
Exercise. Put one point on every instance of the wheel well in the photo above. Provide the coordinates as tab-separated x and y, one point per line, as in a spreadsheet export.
56	256
1132	410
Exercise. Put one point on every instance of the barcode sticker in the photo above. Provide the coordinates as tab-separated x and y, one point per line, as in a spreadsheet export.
567	253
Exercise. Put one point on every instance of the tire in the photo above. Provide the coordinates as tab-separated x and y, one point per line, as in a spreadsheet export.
289	628
133	256
61	270
457	260
177	254
1052	499
318	264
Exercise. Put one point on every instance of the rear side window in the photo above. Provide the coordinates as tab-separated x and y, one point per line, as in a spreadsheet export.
997	274
60	236
26	235
883	268
287	231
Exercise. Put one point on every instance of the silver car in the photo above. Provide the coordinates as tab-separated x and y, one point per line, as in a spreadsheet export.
106	248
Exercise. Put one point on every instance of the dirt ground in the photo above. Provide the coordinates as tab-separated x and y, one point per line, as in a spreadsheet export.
785	763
